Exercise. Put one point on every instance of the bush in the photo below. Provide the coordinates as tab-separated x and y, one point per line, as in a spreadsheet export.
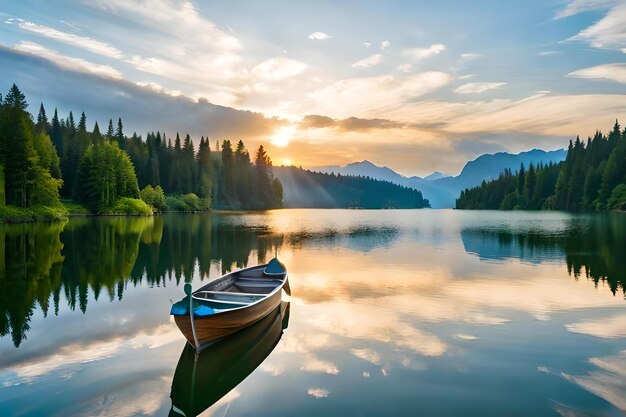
186	202
193	202
12	214
617	201
155	197
174	204
127	205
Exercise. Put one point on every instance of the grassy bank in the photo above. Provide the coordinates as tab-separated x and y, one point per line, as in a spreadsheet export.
11	214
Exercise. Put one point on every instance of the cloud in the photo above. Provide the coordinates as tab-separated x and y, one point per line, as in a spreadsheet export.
88	44
548	53
318	392
475	88
579	6
344	98
314	121
70	63
143	108
384	45
405	67
466	76
319	36
607	328
370	61
608	32
188	51
608	381
423	53
470	56
367	44
279	68
613	72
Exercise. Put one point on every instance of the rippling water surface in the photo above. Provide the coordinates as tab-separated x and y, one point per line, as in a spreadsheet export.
427	312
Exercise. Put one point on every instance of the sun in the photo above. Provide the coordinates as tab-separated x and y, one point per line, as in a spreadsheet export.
282	137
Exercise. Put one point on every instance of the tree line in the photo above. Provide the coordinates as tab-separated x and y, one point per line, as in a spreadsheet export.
45	159
316	189
592	178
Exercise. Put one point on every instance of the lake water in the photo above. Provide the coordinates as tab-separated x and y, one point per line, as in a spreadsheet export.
408	312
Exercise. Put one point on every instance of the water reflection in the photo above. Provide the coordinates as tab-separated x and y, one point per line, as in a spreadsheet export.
394	313
593	247
42	262
203	379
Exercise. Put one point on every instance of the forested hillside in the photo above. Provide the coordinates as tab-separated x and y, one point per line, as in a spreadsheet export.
592	178
43	160
303	188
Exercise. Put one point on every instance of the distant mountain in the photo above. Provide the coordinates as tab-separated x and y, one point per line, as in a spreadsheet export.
363	169
303	188
442	192
435	176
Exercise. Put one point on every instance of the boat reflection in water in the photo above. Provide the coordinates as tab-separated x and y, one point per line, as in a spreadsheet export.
201	379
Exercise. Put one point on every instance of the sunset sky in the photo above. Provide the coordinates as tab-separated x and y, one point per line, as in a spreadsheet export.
416	86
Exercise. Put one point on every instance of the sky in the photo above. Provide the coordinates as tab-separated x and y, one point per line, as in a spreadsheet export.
414	85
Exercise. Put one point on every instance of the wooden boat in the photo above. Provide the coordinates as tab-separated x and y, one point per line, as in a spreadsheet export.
230	303
202	379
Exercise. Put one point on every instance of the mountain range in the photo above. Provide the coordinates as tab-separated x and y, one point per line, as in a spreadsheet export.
441	190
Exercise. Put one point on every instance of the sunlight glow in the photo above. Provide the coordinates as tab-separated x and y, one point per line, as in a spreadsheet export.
282	137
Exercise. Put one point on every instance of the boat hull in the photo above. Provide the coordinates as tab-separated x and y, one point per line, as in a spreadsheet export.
214	327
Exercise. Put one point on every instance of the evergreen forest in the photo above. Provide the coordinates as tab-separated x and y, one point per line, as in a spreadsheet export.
314	189
48	165
592	178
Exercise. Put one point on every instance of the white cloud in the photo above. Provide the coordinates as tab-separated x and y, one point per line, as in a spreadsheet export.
579	6
318	392
384	45
607	328
370	61
344	98
608	381
422	53
548	53
313	364
608	32
367	44
88	44
189	51
66	62
613	72
475	88
470	56
319	36
278	68
405	67
466	76
367	355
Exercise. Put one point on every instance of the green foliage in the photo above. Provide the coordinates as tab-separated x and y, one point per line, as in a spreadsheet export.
98	169
344	191
133	206
74	208
105	174
154	196
510	192
28	158
617	201
174	204
588	180
12	214
186	203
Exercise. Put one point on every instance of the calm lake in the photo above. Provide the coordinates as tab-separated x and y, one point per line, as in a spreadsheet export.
394	312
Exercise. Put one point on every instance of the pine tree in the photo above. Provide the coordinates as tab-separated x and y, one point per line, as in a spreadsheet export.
119	134
42	120
110	132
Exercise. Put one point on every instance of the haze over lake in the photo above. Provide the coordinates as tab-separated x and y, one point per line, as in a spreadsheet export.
393	312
